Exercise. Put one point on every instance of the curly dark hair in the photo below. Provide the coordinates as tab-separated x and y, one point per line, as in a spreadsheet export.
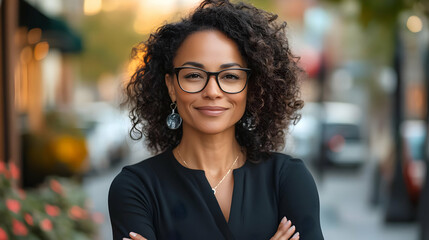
273	97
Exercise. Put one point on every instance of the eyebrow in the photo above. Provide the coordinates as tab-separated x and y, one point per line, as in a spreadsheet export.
195	64
199	65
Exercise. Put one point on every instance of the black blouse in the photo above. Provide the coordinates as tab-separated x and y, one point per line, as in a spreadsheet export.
161	199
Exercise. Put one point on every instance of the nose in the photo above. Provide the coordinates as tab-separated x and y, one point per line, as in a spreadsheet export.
212	89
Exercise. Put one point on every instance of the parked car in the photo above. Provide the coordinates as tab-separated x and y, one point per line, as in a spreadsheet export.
106	129
414	135
343	138
331	132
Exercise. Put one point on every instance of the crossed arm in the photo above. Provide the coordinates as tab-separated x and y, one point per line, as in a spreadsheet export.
285	231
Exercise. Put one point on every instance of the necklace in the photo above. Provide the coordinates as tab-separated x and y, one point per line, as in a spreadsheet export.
227	173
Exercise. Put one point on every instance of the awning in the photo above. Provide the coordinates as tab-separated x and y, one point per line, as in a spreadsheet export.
55	31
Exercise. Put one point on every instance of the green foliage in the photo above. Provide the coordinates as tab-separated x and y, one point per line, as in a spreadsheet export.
262	4
57	210
108	39
385	12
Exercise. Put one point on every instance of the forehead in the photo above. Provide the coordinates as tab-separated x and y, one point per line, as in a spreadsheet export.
211	48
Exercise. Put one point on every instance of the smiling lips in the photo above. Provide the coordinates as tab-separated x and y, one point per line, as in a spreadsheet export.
211	111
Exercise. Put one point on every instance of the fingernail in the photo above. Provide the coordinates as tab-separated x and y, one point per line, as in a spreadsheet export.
133	234
293	227
126	239
296	234
283	220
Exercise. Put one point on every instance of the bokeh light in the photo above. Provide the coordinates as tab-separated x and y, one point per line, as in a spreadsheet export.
414	24
92	7
34	35
41	50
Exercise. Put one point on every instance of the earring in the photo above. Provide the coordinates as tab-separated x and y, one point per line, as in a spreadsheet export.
248	122
173	119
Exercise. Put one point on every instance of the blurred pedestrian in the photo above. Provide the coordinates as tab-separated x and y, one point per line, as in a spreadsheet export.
213	97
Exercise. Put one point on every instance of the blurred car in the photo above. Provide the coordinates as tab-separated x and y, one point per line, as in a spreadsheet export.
343	137
414	135
106	129
329	133
304	138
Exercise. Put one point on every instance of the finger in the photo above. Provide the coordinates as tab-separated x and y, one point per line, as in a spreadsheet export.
278	233
136	236
295	236
283	227
288	233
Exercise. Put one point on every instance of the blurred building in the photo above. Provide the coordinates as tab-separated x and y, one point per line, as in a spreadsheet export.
37	77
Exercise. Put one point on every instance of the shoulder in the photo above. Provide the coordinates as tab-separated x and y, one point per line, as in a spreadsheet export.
281	162
288	169
286	162
292	173
284	159
149	166
141	175
282	168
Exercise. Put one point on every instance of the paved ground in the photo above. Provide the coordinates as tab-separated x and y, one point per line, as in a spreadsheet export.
345	212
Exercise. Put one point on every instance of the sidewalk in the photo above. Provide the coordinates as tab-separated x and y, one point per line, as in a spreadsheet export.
347	214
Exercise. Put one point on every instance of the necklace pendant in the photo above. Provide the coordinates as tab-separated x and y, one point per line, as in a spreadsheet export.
214	191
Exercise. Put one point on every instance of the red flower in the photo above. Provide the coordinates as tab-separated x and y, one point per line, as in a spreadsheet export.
77	212
29	219
46	224
56	186
14	170
52	210
19	228
13	205
3	234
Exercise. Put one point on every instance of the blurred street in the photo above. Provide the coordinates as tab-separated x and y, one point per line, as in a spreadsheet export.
346	212
364	131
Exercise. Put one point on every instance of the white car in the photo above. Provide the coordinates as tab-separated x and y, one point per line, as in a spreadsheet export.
106	130
343	134
335	128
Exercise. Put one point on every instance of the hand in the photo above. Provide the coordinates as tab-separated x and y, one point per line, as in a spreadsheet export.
134	236
285	231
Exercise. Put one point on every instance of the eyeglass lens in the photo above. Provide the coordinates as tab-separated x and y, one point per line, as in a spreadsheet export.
230	80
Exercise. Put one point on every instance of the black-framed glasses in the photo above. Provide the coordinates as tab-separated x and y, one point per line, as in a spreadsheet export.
193	79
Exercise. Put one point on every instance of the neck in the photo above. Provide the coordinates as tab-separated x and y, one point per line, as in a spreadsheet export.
213	153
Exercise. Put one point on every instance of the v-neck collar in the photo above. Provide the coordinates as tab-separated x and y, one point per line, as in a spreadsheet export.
210	199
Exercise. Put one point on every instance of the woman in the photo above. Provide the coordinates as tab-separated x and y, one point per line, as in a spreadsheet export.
227	83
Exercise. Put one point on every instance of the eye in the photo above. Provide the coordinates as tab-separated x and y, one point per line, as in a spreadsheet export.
230	76
194	76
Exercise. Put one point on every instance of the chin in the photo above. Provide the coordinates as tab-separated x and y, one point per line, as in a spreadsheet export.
212	129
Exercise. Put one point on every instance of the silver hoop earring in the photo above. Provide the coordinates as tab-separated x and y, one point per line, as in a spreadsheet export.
248	122
173	119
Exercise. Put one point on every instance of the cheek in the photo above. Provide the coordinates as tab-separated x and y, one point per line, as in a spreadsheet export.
184	101
241	103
